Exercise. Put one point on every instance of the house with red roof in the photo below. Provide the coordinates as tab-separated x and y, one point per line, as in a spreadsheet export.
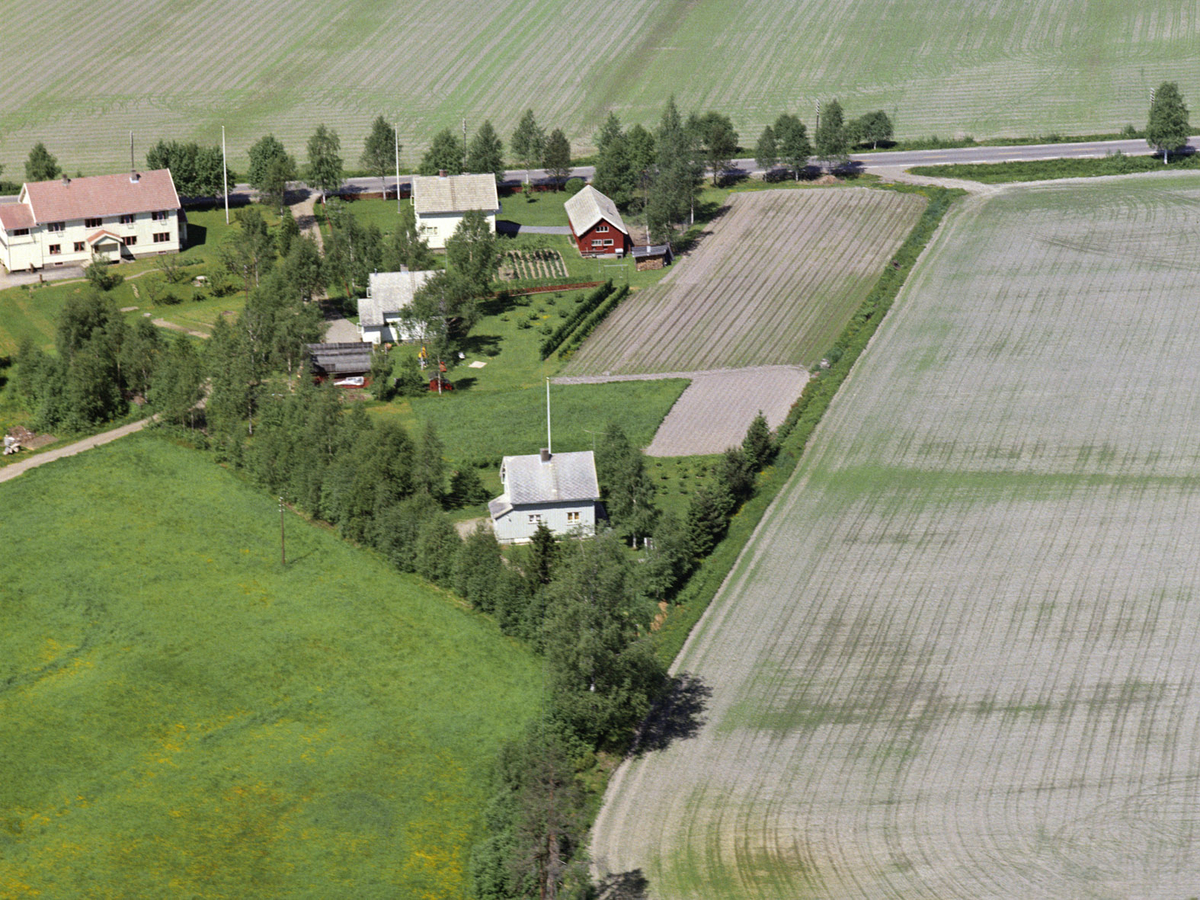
69	221
596	225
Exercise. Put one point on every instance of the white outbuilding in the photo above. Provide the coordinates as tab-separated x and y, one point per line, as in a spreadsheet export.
559	490
388	295
441	201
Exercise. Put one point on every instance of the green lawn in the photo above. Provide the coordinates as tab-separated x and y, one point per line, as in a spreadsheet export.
1042	170
33	310
182	716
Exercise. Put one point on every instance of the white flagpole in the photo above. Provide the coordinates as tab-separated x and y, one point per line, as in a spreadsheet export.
225	174
397	132
549	445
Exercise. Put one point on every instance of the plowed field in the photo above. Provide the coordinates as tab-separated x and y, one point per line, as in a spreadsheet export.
179	70
959	657
774	283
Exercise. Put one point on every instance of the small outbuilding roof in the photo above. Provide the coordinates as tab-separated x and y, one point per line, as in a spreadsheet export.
588	207
433	194
652	251
100	195
387	294
560	477
352	358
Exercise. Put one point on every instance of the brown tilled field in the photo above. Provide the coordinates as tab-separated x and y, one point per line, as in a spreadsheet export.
774	283
958	659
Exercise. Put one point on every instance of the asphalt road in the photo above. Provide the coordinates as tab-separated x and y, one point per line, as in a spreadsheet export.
868	161
889	159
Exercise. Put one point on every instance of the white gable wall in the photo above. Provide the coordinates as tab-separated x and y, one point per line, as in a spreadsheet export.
437	228
518	525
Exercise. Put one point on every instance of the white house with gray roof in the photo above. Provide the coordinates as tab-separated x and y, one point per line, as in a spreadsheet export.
559	489
441	201
388	295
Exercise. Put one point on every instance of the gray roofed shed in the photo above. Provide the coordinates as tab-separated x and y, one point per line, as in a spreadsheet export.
340	359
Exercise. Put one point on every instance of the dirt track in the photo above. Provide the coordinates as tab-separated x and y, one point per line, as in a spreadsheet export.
19	468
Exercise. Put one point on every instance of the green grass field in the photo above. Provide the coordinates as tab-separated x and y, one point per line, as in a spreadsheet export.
1029	67
181	716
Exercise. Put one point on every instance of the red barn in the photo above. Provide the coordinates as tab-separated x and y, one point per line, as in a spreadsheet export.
596	225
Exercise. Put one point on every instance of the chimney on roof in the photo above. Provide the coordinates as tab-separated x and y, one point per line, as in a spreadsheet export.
133	177
441	173
545	455
66	180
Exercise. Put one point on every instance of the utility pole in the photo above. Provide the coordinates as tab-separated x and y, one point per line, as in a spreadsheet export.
464	143
282	544
817	127
549	445
397	134
225	175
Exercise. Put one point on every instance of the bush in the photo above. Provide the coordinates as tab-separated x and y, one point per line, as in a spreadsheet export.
574	186
560	334
594	320
99	273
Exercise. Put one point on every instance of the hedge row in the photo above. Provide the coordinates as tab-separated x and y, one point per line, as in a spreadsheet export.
581	335
563	331
794	433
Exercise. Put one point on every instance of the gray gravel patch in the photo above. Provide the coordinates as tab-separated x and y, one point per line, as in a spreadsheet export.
717	408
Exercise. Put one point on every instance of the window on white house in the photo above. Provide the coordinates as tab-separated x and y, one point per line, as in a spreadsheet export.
161	237
535	519
55	249
160	215
127	218
20	231
92	223
572	518
129	240
56	226
79	246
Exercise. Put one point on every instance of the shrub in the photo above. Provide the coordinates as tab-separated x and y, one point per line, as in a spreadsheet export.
99	273
574	186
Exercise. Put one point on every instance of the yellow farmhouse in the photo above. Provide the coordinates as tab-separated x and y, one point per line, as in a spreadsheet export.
69	221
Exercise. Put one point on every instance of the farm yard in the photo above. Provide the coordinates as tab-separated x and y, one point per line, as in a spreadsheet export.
957	659
773	283
1024	69
182	716
530	264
